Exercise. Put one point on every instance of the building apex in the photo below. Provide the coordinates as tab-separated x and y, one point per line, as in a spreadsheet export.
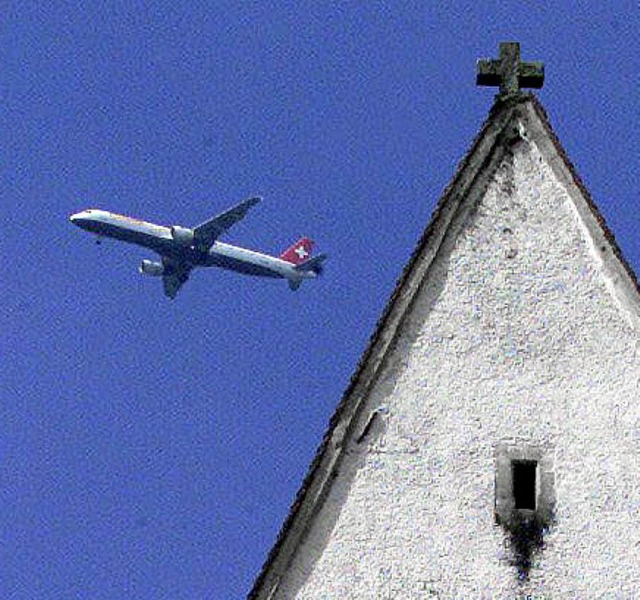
509	72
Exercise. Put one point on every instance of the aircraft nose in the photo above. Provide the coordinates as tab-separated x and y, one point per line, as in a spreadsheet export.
76	218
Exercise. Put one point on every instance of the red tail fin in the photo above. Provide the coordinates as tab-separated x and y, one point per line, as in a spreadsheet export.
299	252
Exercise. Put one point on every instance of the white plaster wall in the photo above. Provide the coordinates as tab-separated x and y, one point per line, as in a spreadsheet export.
517	335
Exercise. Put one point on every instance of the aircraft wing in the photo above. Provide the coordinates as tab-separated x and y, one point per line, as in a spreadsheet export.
208	232
177	275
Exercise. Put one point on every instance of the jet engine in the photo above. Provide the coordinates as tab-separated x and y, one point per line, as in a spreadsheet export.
149	267
182	235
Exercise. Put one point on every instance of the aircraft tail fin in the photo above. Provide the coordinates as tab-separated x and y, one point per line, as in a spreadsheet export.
299	252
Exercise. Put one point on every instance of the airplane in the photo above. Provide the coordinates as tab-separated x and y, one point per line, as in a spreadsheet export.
182	249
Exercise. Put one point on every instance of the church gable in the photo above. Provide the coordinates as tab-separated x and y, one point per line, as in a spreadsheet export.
510	341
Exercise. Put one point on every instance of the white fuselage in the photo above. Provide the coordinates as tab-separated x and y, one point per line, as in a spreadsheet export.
160	239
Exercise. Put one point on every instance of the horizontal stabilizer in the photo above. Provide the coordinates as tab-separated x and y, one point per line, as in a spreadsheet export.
313	264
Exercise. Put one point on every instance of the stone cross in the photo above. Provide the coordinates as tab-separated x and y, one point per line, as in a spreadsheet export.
508	72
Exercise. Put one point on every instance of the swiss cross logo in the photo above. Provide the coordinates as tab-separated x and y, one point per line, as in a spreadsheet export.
301	251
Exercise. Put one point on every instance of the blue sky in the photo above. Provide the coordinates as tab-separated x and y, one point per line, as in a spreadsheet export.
152	449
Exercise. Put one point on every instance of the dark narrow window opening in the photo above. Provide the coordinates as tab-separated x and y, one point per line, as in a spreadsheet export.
524	483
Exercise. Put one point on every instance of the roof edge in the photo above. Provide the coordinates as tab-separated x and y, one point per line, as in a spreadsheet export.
628	285
484	151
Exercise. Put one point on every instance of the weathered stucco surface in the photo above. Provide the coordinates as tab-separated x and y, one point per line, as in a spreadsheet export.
519	334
